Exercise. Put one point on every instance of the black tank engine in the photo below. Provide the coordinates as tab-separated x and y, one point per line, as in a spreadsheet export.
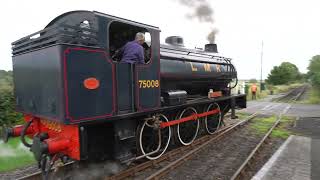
81	103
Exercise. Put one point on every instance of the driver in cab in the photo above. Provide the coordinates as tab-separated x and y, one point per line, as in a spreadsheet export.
133	52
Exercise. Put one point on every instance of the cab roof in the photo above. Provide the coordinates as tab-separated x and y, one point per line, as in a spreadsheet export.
73	15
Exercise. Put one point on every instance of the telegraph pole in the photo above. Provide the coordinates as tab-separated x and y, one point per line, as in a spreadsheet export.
261	66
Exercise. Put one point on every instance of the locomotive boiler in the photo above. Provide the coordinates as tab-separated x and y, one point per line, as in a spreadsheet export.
80	103
194	71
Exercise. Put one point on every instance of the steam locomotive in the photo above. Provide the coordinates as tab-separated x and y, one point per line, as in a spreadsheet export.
80	103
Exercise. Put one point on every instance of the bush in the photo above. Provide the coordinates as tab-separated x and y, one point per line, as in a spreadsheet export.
314	70
8	115
284	74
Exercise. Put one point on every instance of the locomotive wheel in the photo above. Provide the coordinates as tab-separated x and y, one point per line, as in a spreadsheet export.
187	131
149	138
212	122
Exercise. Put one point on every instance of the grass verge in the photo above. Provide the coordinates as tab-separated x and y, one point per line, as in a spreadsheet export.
14	155
242	115
314	96
261	126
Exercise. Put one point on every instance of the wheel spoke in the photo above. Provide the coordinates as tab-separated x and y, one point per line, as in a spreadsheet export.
212	122
149	138
187	131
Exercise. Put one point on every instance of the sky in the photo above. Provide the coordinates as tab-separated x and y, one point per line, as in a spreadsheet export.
289	29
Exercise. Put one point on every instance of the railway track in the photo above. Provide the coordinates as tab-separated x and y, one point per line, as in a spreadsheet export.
246	165
38	175
296	92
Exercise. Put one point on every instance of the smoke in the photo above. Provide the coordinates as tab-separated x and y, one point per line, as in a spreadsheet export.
22	147
5	150
203	12
212	35
89	170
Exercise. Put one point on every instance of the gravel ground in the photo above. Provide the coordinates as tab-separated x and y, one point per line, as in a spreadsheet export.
18	173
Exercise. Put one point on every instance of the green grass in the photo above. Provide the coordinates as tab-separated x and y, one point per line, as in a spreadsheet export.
314	96
14	155
242	115
282	131
262	125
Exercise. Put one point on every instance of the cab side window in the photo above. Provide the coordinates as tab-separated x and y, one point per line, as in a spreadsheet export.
120	34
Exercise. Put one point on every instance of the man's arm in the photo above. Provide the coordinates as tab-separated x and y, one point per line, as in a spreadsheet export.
140	56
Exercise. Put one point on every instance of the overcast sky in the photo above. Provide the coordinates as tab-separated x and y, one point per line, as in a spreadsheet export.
290	29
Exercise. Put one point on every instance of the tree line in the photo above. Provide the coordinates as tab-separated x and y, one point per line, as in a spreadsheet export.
287	73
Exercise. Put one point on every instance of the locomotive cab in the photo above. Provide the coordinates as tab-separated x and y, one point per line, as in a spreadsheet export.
130	76
64	76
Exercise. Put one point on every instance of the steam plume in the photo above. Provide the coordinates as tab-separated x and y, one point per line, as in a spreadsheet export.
203	12
212	36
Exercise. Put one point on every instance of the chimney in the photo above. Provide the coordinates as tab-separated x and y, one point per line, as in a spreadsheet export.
211	48
175	41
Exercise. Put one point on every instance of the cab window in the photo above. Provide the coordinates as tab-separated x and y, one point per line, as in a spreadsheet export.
122	33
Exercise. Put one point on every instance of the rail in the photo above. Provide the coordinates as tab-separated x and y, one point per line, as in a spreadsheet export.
38	175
